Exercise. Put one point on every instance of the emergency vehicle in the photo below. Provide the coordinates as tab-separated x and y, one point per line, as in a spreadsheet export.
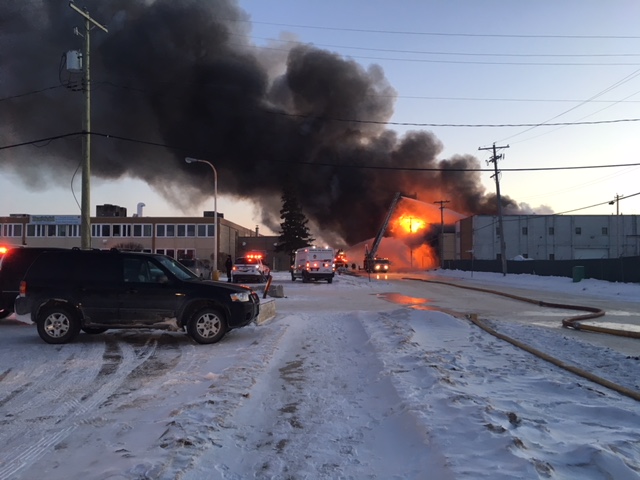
250	268
313	263
341	260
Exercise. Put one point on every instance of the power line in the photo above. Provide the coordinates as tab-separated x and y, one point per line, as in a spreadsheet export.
436	34
475	62
40	140
364	167
429	52
33	92
464	125
624	80
548	215
322	164
109	83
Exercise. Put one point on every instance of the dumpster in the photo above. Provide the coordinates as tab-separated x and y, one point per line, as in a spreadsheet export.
578	273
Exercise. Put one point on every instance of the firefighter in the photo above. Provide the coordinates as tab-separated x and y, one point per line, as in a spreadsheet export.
229	266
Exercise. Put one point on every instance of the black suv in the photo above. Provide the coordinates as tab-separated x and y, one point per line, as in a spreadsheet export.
66	291
13	265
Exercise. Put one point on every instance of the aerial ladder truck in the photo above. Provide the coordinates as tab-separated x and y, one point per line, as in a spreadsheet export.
370	255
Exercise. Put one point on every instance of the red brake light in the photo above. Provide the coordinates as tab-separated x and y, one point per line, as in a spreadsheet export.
23	288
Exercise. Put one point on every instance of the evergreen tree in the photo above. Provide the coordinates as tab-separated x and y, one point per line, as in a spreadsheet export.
294	232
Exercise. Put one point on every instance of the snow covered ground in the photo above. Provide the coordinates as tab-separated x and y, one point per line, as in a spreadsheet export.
341	384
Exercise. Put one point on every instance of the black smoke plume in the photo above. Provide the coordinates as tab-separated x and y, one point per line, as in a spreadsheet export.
184	73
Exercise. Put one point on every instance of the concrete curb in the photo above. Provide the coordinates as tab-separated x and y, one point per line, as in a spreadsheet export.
267	310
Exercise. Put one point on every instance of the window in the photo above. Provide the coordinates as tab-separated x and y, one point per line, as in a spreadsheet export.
169	252
100	230
182	230
578	231
205	230
525	231
186	253
605	231
62	230
191	230
141	230
160	231
138	270
552	256
171	230
551	231
498	231
12	230
121	230
35	230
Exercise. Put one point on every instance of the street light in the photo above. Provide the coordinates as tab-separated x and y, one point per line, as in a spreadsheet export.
215	213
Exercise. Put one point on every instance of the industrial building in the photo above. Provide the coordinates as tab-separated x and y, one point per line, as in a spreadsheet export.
548	237
177	237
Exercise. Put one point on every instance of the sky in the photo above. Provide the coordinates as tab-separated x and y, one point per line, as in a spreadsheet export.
347	380
459	69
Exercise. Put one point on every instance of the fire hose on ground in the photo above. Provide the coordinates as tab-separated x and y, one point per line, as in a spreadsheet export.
571	322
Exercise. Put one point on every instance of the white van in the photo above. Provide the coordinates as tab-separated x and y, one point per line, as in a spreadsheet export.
313	263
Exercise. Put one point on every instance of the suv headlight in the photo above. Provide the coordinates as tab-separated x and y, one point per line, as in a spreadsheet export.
239	297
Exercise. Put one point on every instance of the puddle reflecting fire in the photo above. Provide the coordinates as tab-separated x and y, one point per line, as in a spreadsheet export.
413	302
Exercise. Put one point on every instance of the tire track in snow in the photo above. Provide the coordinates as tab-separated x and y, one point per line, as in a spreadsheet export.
357	429
72	400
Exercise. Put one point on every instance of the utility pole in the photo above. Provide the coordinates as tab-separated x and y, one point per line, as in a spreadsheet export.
494	159
441	242
85	206
410	243
616	200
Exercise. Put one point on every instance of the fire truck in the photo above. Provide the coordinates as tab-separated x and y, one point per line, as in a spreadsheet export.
372	263
341	261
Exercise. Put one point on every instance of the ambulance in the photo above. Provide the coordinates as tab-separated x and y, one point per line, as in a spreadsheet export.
313	263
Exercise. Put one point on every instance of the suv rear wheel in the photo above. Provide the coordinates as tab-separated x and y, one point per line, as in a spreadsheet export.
207	326
58	324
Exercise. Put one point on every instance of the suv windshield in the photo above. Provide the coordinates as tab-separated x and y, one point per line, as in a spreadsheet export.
175	267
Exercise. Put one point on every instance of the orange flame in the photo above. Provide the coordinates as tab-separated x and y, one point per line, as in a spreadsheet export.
410	224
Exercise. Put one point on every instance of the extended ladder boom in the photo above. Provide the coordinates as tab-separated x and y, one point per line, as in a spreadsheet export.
370	255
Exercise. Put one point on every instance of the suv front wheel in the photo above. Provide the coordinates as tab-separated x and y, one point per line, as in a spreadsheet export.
207	326
58	324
